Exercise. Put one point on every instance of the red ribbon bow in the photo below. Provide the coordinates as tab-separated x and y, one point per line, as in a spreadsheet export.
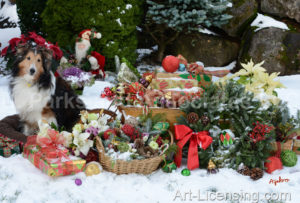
50	146
184	134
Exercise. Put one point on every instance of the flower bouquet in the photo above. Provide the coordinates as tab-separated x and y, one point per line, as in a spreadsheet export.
76	77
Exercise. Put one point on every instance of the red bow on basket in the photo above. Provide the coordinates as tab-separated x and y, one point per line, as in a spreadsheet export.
184	134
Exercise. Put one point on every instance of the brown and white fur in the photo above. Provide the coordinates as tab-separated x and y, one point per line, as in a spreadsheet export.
38	95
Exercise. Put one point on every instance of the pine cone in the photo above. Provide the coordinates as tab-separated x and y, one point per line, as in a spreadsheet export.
192	117
245	171
205	120
256	173
138	143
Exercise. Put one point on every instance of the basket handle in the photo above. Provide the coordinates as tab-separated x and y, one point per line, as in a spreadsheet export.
99	144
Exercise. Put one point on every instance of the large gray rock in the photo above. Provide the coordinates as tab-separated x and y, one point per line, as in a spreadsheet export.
211	50
280	49
282	8
243	13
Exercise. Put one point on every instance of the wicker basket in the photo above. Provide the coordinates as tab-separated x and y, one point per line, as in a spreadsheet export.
171	114
145	166
284	146
296	147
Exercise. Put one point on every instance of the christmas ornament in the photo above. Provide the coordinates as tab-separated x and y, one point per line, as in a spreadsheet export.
226	139
256	173
144	82
149	78
169	167
92	168
205	120
244	170
78	181
162	126
211	168
170	64
289	158
186	172
192	117
273	163
181	67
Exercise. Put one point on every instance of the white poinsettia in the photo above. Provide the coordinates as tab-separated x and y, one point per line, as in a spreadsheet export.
77	129
43	129
68	138
83	144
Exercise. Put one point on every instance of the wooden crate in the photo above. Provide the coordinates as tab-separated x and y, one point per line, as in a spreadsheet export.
171	114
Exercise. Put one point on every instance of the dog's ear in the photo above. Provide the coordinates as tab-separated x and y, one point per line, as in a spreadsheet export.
47	55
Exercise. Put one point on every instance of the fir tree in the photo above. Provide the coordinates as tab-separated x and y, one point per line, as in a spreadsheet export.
29	13
115	20
167	19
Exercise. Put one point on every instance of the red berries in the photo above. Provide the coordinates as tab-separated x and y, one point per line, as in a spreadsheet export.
259	131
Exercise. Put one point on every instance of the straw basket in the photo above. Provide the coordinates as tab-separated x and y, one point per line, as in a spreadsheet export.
284	146
171	114
145	166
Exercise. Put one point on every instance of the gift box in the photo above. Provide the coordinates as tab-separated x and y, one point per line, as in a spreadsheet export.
9	146
52	161
201	80
169	83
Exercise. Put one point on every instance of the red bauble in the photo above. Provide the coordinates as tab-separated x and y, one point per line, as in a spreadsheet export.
273	163
170	64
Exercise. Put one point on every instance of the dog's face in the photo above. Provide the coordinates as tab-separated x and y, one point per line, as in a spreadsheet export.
31	67
31	63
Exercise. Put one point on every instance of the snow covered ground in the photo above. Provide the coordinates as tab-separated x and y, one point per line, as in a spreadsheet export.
20	181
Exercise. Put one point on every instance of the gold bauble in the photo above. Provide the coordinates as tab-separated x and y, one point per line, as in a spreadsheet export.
92	168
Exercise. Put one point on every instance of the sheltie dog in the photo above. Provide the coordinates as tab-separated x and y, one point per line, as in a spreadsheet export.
38	95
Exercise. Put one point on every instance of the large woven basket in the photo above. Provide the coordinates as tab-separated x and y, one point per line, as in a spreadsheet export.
171	114
145	166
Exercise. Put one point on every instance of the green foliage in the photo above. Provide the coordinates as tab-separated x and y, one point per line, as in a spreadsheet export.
115	20
230	104
29	12
165	20
187	15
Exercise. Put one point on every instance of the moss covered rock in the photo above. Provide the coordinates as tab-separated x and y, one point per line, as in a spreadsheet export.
243	12
280	49
211	50
282	8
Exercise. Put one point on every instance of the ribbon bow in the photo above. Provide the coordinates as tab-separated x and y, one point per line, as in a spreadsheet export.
184	134
50	146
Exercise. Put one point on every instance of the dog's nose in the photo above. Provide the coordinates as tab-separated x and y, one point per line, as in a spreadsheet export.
32	71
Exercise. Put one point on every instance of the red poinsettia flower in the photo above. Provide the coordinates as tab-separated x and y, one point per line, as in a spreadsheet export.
37	38
4	51
57	53
14	42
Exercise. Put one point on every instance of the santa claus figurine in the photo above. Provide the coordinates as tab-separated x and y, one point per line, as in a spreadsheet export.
84	51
